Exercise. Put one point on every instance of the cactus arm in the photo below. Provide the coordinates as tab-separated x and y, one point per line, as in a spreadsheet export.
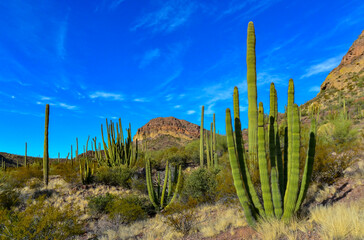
164	185
235	169
45	152
289	126
201	138
150	188
170	183
252	94
208	159
306	177
293	178
216	163
272	133
249	186
25	157
263	165
178	186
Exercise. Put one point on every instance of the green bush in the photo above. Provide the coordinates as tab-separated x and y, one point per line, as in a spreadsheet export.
129	209
68	172
98	204
181	217
20	176
8	198
116	176
200	185
139	184
39	221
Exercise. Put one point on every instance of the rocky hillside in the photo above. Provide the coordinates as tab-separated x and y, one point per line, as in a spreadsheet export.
164	132
344	81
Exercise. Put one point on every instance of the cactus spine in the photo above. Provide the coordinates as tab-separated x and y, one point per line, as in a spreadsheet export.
45	152
279	201
202	138
158	198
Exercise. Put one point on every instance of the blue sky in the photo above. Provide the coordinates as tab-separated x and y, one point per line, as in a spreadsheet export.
144	59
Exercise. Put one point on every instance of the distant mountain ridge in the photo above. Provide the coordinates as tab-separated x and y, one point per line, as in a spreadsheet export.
163	132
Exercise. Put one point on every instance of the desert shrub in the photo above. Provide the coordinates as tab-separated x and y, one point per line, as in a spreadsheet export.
200	185
225	189
338	131
98	204
39	221
68	172
116	176
19	176
129	209
8	198
328	164
181	216
139	184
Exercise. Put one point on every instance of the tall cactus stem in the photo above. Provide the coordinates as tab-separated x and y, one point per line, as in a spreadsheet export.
45	151
202	138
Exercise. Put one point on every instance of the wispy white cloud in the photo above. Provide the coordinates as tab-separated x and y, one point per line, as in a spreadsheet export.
189	112
210	109
58	104
315	89
141	100
169	97
107	95
114	4
264	78
171	15
177	106
169	79
243	108
149	56
322	67
61	39
248	8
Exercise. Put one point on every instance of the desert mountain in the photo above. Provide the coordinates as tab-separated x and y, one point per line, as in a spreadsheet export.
344	81
164	132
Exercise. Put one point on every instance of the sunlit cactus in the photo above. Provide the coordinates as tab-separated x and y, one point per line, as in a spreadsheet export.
281	198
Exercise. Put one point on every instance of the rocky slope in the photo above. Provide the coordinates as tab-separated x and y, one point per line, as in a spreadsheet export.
163	132
346	81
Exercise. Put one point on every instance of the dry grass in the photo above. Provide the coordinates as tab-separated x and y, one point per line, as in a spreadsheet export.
215	219
276	229
340	221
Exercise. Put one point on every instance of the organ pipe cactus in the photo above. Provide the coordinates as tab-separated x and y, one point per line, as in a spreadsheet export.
86	166
118	151
25	156
159	198
278	201
202	138
45	152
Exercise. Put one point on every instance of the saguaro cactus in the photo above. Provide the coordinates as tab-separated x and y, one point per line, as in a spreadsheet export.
45	152
158	198
272	193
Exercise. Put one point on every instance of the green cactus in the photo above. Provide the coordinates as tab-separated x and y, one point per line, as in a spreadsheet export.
158	198
216	161
202	138
45	152
279	201
86	166
252	96
25	156
118	151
